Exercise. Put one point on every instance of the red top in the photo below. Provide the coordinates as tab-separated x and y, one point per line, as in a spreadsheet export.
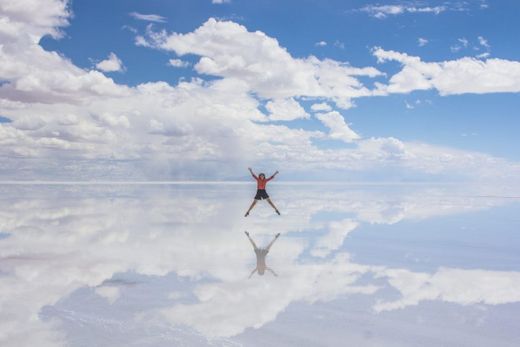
261	182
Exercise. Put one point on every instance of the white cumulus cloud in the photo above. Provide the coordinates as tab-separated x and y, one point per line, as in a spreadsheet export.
228	50
111	64
338	128
285	109
464	75
178	63
324	107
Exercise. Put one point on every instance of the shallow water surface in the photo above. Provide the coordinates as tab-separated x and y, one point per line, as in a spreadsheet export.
170	265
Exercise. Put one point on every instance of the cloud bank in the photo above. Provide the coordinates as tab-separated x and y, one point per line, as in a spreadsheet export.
73	123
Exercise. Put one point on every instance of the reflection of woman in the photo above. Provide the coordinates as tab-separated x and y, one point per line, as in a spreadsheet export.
261	193
261	253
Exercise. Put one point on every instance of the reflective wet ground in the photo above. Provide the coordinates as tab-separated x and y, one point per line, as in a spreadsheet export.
170	265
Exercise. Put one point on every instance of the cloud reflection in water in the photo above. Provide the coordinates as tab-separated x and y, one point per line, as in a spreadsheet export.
63	240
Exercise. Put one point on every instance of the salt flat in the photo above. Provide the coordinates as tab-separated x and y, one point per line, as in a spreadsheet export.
168	264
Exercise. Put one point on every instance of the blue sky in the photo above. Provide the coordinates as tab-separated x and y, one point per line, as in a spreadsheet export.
475	122
347	33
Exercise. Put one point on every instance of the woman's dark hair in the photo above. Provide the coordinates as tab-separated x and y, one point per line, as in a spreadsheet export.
261	174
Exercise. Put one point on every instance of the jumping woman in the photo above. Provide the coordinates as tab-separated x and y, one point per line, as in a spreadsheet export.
261	253
261	182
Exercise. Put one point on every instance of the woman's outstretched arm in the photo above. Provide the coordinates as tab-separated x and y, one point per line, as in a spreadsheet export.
273	176
252	173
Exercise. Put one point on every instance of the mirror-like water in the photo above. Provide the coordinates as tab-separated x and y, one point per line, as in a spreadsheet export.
163	265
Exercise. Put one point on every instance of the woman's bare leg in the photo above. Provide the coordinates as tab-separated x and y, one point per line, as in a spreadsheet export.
251	240
250	208
271	203
271	243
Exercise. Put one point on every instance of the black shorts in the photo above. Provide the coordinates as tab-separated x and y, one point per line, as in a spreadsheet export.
261	194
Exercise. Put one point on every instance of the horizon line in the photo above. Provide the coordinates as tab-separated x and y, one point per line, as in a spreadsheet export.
41	182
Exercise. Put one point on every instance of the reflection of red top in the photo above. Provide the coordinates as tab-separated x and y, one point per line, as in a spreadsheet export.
260	183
